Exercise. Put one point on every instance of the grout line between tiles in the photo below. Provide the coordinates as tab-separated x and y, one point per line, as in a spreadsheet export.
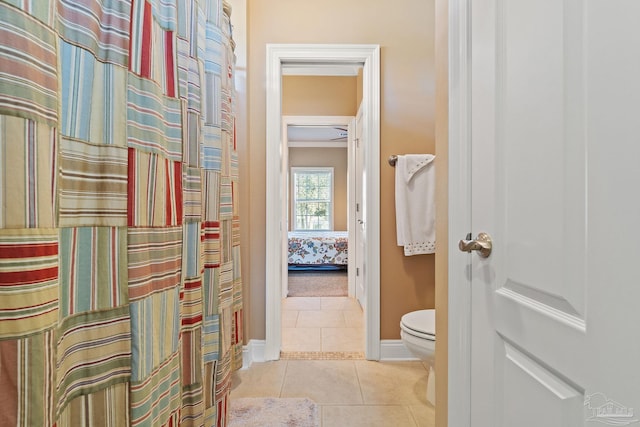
355	366
284	377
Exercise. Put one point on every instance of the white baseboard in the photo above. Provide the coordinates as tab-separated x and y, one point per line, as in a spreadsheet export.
394	350
389	350
252	352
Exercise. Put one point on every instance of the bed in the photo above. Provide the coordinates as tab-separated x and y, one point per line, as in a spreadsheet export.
318	249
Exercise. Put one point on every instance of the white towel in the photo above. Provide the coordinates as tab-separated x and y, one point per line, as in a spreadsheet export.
415	203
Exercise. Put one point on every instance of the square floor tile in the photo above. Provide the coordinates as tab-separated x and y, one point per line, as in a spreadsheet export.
402	383
301	303
301	339
320	319
323	381
423	415
342	339
260	380
289	318
367	416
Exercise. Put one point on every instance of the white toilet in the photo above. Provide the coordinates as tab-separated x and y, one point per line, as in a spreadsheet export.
418	333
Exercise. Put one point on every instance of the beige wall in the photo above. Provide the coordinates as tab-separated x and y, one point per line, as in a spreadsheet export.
325	157
405	32
319	96
442	211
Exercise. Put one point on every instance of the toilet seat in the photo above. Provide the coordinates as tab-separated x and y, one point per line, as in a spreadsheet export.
421	324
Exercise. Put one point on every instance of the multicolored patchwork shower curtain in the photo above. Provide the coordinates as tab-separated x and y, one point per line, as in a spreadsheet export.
120	287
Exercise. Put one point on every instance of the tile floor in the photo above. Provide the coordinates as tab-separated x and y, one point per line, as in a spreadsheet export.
350	393
327	324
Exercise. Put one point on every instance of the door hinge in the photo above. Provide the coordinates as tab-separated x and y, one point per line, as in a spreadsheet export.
357	141
357	272
357	207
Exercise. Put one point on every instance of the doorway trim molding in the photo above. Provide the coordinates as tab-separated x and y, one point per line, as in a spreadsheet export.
278	55
459	201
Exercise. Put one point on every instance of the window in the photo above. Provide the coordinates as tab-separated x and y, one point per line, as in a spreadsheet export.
312	198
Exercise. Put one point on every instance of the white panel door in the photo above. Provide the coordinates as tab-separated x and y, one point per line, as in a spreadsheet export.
555	181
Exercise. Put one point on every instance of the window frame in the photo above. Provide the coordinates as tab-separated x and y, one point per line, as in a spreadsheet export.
311	169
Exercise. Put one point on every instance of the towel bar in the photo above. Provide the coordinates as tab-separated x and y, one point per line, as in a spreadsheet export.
393	159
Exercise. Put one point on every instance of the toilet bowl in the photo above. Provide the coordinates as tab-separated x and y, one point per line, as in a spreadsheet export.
418	333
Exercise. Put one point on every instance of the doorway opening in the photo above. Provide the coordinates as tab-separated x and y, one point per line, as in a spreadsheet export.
321	316
323	57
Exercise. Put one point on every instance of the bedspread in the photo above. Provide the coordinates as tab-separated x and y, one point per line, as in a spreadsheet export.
318	247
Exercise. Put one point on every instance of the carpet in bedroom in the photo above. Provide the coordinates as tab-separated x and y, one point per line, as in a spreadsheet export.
318	284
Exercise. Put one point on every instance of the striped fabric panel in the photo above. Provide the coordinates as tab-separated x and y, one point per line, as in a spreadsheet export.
226	238
227	147
236	340
235	199
155	258
234	172
165	12
209	386
184	18
93	184
153	120
211	288
140	38
192	253
93	269
155	191
211	338
103	407
193	139
225	293
226	198
93	94
28	74
28	281
163	60
237	270
99	26
27	173
212	106
159	313
27	379
223	387
212	148
182	61
195	71
152	48
225	22
211	190
212	243
201	36
191	356
214	12
155	401
215	50
191	304
235	237
42	10
192	194
226	109
192	412
93	352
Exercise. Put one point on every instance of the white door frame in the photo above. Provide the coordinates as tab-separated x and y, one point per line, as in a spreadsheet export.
321	54
344	121
459	196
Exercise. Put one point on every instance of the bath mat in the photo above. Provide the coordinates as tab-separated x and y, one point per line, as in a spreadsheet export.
273	412
318	284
